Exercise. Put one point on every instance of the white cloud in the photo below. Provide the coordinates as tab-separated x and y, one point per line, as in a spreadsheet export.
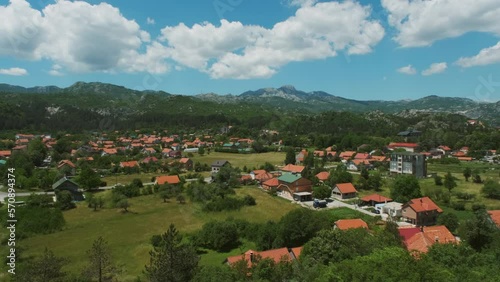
56	70
234	50
82	37
408	70
435	68
487	56
150	21
14	71
422	22
76	35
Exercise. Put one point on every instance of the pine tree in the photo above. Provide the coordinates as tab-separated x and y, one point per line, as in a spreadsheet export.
101	266
170	260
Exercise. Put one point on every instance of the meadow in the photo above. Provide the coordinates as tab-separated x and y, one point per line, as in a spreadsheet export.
129	234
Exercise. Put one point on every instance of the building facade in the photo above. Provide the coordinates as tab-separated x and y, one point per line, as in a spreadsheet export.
408	163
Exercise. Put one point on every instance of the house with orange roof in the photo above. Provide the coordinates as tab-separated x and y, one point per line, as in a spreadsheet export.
67	167
323	176
20	148
419	240
495	217
362	156
167	179
129	164
299	158
149	160
277	255
148	151
421	211
293	168
262	177
344	191
187	163
5	154
270	184
345	224
109	151
373	199
347	155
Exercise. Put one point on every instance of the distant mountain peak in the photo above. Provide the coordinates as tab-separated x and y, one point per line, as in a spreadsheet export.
288	87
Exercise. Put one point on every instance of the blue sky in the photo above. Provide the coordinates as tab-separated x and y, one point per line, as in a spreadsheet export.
367	49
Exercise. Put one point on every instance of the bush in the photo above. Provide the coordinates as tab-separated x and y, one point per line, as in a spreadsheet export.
491	189
249	201
438	180
128	191
458	206
218	235
223	204
37	220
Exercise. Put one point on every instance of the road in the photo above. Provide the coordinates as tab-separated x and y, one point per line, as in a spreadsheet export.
4	195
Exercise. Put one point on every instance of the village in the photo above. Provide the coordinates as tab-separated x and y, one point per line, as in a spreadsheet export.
312	179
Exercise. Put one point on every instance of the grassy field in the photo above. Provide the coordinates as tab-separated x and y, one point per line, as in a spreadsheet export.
240	160
127	178
129	234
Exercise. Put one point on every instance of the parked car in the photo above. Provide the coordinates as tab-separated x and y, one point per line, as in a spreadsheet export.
319	203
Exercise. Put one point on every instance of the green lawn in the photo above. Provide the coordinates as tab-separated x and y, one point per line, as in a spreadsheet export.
129	234
240	160
127	178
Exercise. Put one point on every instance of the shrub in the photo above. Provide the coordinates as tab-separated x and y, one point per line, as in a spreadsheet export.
249	200
459	206
221	204
128	191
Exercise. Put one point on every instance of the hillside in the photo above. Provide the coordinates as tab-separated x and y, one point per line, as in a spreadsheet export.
90	105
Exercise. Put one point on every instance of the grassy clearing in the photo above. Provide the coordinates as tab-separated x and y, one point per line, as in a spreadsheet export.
127	178
129	234
240	160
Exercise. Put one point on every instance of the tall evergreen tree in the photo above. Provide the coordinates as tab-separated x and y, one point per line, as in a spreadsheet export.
290	156
101	266
171	260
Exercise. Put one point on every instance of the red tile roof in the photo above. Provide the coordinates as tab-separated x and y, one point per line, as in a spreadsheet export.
423	204
110	151
273	182
5	153
66	162
422	240
264	176
184	160
259	171
402	145
347	154
344	224
376	198
170	179
129	164
345	188
323	176
362	156
495	216
277	255
407	232
293	168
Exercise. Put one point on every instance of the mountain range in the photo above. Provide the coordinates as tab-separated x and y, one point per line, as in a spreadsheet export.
285	98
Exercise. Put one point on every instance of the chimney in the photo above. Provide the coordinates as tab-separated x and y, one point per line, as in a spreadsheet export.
251	256
436	239
421	229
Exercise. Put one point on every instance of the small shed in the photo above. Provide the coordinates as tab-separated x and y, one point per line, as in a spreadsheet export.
302	196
